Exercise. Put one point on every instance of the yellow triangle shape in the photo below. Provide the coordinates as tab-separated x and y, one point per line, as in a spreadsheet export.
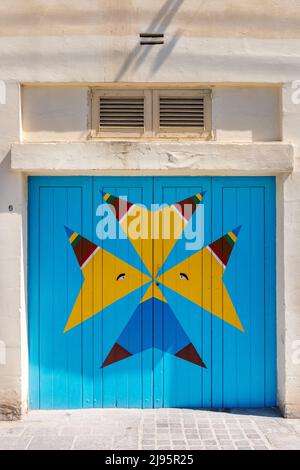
153	233
199	279
107	279
153	291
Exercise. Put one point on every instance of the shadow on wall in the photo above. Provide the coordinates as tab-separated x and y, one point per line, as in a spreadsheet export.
158	25
54	113
201	18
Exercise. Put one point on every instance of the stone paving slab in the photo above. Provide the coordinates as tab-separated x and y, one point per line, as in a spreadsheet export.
162	429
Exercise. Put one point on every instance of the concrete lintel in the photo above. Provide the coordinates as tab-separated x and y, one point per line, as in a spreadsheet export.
113	157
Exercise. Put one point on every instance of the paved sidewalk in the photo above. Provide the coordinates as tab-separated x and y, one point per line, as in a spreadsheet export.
151	429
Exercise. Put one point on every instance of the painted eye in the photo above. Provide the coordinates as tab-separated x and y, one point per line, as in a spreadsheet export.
183	276
121	277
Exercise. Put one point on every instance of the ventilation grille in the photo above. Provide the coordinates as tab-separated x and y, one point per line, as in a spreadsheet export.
151	39
121	112
181	112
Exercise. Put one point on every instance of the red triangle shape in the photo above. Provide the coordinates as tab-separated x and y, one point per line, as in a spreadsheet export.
189	353
117	353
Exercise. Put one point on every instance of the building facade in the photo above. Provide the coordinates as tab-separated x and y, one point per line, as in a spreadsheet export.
208	113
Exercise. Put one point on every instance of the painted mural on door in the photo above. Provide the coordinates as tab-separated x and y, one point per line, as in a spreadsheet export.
152	292
202	287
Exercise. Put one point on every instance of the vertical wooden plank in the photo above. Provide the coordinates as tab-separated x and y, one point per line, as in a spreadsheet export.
242	257
230	335
67	347
134	366
80	212
193	373
109	385
270	296
206	351
127	373
97	320
166	367
34	292
121	369
46	260
147	326
75	339
59	292
217	327
257	293
147	357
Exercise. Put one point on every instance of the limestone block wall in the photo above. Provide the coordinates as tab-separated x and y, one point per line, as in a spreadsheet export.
239	113
13	256
289	346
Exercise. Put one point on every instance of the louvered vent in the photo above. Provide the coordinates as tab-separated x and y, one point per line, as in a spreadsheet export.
121	112
181	112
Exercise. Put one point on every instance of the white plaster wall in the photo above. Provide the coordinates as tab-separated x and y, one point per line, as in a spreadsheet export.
291	251
219	43
98	59
98	40
244	114
51	114
269	19
13	374
239	114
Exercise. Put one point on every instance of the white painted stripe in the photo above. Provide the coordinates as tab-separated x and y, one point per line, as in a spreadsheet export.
179	213
215	256
90	257
126	213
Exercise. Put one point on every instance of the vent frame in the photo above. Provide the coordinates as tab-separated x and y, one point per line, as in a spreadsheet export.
182	97
152	127
99	97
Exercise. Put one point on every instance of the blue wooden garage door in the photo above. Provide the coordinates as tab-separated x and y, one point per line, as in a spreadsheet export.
152	292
